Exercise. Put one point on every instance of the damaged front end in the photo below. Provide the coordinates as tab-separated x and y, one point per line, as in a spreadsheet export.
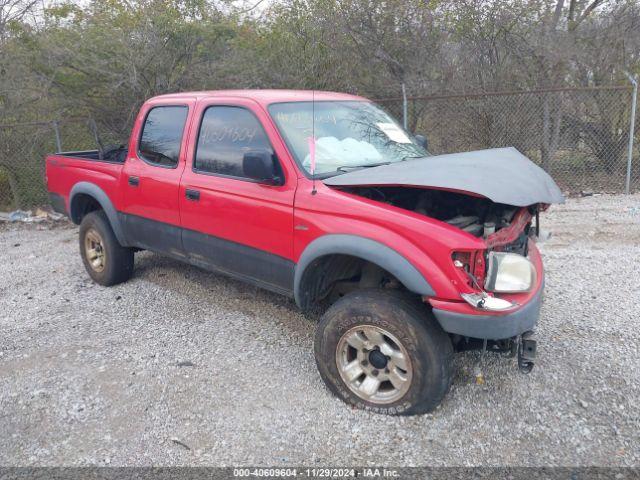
504	280
505	230
494	195
500	304
473	214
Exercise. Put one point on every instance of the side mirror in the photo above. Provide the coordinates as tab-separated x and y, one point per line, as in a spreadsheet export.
260	165
422	141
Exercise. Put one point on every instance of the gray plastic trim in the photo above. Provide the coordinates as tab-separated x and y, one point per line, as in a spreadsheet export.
366	249
494	327
57	203
102	198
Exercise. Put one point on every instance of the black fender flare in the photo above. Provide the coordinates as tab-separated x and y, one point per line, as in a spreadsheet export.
103	199
366	249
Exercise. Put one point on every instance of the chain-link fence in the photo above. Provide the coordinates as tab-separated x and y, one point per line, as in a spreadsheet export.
580	136
23	148
21	164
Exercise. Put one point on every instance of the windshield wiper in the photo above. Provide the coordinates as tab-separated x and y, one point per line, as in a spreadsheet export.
344	168
411	157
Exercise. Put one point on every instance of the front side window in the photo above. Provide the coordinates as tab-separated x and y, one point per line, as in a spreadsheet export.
162	135
226	134
344	134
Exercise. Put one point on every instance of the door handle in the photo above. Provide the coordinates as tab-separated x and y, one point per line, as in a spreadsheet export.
192	194
134	181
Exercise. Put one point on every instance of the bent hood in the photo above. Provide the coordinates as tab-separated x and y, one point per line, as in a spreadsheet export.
503	175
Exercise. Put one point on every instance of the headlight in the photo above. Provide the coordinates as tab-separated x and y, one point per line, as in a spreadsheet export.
508	273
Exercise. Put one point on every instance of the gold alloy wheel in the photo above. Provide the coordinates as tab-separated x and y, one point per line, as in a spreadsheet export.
94	250
374	364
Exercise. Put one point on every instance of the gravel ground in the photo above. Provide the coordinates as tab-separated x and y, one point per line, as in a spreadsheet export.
182	367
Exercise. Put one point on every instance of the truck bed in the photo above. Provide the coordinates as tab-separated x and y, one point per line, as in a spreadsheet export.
114	154
66	169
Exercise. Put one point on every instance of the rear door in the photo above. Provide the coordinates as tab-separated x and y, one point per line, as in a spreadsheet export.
232	223
151	177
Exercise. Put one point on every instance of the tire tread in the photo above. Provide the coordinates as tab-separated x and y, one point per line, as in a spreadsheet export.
120	260
420	321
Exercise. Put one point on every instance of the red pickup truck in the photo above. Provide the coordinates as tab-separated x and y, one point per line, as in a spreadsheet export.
324	198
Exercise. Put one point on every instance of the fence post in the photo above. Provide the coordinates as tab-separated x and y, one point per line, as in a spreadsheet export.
404	107
634	96
94	128
57	131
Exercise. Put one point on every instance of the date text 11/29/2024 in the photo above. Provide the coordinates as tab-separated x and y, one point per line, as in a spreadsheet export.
316	472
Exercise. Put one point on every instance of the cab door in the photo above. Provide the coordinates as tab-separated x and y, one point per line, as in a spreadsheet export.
230	222
151	177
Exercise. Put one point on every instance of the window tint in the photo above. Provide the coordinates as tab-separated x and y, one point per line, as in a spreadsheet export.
226	134
162	135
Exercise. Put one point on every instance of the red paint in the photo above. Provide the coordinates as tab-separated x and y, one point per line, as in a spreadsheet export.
156	197
281	220
257	215
509	234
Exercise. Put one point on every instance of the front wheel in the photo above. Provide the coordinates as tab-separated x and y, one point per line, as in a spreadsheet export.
381	350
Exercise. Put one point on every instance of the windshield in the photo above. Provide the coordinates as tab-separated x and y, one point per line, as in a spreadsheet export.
346	135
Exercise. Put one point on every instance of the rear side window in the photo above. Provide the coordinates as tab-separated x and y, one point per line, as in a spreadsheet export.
226	134
162	135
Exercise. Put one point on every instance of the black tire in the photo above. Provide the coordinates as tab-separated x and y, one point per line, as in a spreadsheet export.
412	324
117	261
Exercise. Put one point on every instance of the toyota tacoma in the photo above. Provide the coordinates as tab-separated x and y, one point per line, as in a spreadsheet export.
323	197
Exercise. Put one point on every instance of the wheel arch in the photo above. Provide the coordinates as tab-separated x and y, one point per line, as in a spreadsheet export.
83	192
356	247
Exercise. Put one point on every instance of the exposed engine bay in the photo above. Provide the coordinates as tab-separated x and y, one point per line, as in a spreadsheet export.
478	216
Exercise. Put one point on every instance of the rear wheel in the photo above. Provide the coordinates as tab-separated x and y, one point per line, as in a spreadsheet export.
106	261
382	350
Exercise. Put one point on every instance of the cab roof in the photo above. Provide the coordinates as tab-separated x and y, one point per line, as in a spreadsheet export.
266	97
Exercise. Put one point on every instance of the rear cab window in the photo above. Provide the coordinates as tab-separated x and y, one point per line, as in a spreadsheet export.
161	135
